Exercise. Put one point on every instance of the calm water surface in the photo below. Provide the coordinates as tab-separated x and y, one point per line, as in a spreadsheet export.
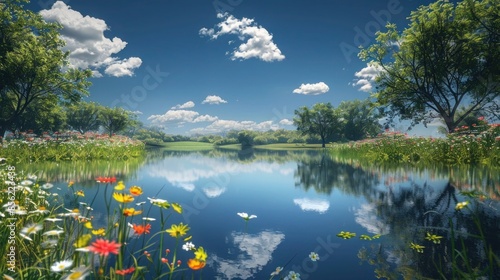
302	200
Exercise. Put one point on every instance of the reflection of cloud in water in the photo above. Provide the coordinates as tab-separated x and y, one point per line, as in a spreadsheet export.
367	217
307	204
255	251
213	191
184	172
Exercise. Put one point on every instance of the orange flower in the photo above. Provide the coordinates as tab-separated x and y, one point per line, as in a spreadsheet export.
135	190
123	197
125	271
104	247
131	212
195	264
140	229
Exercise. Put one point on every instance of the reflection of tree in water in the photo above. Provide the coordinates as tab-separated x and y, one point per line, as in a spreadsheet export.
323	174
411	212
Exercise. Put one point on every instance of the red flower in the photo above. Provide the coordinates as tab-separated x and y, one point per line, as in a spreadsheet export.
480	118
104	247
125	271
105	179
140	229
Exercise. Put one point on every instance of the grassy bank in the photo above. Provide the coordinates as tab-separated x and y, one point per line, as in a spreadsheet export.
186	146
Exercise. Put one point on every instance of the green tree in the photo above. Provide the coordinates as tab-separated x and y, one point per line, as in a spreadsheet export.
360	119
43	116
322	120
115	120
246	138
83	116
32	65
446	58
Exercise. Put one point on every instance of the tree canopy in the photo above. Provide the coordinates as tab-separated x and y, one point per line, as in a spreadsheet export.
445	59
32	65
322	120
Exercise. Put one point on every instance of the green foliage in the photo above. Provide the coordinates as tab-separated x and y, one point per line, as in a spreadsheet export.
31	66
93	148
115	120
460	147
322	120
360	119
447	57
83	116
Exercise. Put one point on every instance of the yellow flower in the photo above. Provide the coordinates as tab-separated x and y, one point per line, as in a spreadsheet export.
135	190
200	254
83	240
88	224
178	230
131	212
434	238
123	198
416	247
177	207
70	184
100	231
80	193
120	186
461	205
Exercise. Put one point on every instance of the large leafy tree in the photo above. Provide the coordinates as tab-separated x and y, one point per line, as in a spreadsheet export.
32	65
361	119
83	116
322	120
445	59
115	120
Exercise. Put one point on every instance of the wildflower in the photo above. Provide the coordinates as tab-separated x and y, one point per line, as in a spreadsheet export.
120	186
105	179
416	247
292	275
88	224
83	240
70	184
246	217
277	271
346	234
104	247
178	230
177	207
376	236
80	193
365	237
196	264
123	198
314	256
135	190
140	203
159	202
125	271
31	229
200	254
62	265
140	229
53	219
26	183
436	239
78	274
461	205
101	231
148	219
47	186
131	212
179	262
188	246
53	232
49	244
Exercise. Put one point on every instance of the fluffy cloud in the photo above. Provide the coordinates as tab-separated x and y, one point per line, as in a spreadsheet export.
181	116
312	89
219	126
189	104
257	41
316	205
86	43
286	122
213	99
366	77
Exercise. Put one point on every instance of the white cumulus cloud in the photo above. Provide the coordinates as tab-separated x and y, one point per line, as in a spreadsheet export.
187	105
257	41
366	77
180	116
213	99
312	89
219	126
286	122
88	47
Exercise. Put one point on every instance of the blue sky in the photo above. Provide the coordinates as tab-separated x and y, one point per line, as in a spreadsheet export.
195	66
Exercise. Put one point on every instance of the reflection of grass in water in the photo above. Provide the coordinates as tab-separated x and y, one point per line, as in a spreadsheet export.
187	146
288	146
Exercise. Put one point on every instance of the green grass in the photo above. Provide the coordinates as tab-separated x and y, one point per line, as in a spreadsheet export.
187	146
288	146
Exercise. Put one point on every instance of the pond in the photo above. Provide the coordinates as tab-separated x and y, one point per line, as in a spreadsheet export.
303	200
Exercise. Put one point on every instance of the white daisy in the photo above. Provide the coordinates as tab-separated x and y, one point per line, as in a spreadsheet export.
62	265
